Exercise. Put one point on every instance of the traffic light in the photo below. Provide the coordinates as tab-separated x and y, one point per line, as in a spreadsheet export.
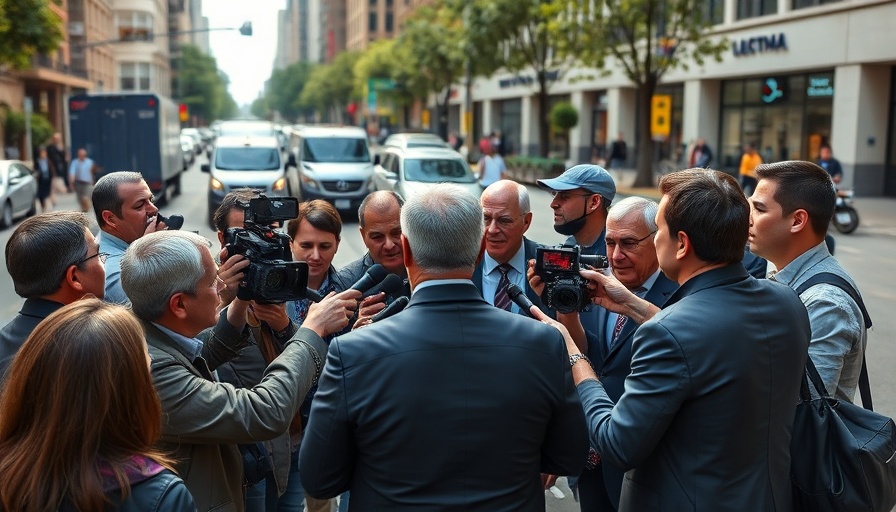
246	29
184	113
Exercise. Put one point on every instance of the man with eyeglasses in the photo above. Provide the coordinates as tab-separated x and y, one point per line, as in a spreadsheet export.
631	226
507	216
53	260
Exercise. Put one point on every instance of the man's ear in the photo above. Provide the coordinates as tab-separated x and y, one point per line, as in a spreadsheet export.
72	279
108	217
799	221
594	202
176	306
406	252
684	246
527	221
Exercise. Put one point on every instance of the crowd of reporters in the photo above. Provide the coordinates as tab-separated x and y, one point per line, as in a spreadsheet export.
451	404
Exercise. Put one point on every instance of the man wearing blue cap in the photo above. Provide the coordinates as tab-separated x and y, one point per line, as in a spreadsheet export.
582	197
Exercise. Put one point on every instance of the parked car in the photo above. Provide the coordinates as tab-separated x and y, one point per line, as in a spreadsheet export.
415	140
249	162
410	171
334	164
18	192
187	147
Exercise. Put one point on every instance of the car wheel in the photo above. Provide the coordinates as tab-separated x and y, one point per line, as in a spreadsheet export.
6	216
33	211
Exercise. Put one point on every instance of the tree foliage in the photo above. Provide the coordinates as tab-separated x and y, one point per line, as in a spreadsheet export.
643	39
564	116
432	51
14	129
204	87
27	28
331	87
285	90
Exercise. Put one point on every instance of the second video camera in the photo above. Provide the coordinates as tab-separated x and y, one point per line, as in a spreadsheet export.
558	267
272	276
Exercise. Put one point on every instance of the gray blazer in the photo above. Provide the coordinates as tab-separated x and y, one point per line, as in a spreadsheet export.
705	420
452	404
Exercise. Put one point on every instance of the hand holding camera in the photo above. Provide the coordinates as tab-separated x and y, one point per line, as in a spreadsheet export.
558	267
332	313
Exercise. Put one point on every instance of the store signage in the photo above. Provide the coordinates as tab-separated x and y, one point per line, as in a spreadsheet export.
773	90
513	81
760	44
820	87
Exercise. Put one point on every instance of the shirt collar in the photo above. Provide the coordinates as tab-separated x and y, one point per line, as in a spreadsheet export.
112	240
789	274
518	261
189	347
439	282
648	284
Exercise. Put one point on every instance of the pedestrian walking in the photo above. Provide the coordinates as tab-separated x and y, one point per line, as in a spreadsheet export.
80	177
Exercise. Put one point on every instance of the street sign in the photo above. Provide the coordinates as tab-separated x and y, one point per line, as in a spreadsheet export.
660	115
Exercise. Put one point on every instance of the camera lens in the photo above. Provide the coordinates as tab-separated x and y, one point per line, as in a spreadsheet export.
274	280
565	298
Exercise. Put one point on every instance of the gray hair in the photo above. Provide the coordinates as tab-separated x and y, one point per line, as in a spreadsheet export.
158	265
444	228
523	198
41	250
634	204
105	193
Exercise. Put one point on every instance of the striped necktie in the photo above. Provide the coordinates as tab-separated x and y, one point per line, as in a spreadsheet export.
502	299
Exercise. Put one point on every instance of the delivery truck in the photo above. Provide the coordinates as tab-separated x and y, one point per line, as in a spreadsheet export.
130	132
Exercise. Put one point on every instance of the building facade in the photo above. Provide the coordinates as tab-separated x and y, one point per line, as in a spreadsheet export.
368	21
798	74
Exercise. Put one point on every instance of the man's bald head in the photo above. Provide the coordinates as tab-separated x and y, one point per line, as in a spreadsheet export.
381	202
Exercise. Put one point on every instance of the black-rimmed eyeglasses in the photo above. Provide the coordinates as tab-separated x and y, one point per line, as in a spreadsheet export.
101	255
627	244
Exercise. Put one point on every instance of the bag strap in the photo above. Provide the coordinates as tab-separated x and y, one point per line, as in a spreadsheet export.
838	281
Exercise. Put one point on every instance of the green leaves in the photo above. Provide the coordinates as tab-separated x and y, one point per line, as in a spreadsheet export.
203	87
27	28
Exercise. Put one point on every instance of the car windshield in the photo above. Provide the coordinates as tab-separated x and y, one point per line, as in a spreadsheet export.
247	159
335	149
437	171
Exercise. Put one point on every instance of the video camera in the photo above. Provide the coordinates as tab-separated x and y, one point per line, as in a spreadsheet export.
271	277
564	289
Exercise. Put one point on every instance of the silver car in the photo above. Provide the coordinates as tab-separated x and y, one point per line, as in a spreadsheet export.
410	171
18	191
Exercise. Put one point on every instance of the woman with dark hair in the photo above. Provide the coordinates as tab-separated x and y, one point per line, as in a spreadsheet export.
79	417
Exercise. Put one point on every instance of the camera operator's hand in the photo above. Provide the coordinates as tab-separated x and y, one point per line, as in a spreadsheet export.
580	371
534	279
231	272
332	313
272	314
369	307
607	292
236	313
153	225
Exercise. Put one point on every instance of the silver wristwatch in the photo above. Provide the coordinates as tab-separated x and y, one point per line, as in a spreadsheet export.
575	358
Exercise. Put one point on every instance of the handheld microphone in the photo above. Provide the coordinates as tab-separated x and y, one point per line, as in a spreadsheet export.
312	295
391	284
519	298
173	222
374	275
391	309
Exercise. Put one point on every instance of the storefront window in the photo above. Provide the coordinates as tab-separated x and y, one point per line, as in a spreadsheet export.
754	8
714	11
786	117
511	125
799	4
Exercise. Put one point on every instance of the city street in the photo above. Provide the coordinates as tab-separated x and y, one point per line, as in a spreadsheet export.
867	254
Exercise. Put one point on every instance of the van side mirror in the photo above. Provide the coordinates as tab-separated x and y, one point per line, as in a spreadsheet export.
376	159
291	161
206	168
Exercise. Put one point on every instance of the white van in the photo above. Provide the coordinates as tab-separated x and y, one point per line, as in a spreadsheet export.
334	164
254	162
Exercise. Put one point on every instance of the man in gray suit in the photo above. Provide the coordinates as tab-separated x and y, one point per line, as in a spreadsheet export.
705	420
408	415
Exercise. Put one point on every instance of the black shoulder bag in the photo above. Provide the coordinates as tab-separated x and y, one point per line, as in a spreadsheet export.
843	457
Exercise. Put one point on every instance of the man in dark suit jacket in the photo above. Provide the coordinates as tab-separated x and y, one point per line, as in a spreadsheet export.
704	422
53	260
631	224
507	215
408	415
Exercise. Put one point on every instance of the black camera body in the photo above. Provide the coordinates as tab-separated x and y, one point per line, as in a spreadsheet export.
271	277
558	267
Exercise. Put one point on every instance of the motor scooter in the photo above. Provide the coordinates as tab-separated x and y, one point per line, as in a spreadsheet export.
846	218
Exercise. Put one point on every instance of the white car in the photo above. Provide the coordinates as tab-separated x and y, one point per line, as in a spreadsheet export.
410	171
414	140
18	191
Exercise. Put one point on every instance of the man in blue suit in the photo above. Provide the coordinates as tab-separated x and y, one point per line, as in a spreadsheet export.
507	216
704	422
452	404
631	224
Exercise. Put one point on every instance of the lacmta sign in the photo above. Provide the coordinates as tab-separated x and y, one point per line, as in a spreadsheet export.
759	44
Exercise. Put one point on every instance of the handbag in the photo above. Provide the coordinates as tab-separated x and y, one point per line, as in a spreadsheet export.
843	457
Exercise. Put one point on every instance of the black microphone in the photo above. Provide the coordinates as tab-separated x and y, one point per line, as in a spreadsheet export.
519	298
312	295
174	222
391	284
391	309
374	275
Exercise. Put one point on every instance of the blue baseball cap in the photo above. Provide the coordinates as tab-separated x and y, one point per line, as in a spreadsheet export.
592	178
